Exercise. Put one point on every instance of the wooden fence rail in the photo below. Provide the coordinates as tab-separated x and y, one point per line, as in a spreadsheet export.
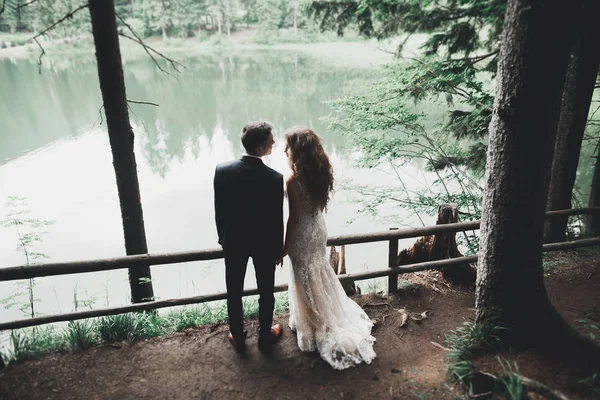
24	272
151	305
107	264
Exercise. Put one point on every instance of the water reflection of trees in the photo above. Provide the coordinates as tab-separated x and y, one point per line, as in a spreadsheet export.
228	90
216	89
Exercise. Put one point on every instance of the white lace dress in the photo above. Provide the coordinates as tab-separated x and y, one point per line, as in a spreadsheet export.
324	318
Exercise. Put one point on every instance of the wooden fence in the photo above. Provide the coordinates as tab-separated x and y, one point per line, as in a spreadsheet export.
392	236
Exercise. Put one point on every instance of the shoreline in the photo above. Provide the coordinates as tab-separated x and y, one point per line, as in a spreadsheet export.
364	52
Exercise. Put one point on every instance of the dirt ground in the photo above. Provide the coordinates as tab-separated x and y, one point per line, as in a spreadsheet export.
200	363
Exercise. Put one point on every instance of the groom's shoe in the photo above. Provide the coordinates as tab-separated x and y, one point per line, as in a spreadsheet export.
266	341
239	342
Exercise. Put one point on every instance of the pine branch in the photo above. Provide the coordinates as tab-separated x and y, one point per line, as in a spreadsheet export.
26	4
459	91
65	17
147	48
473	60
42	54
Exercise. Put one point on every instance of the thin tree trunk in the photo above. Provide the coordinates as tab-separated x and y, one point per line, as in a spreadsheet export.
164	32
112	86
295	19
576	100
533	61
593	220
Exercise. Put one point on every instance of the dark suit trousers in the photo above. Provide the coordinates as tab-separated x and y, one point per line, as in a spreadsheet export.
235	272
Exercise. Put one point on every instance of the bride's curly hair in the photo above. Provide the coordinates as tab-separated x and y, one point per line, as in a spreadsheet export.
310	164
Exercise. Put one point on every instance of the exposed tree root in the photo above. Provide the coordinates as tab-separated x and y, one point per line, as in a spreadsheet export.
483	384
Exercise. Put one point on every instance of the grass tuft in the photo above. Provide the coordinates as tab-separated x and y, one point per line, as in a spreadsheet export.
467	340
122	327
407	287
28	344
513	386
81	335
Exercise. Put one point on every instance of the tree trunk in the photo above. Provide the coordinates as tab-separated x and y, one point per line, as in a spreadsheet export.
533	61
112	86
576	100
593	220
164	32
296	19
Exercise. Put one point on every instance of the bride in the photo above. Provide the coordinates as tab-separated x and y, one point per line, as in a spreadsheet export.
324	318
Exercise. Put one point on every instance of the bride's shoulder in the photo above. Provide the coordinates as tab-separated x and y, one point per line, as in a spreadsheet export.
292	185
291	181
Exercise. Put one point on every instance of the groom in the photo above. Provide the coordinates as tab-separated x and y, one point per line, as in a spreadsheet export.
249	218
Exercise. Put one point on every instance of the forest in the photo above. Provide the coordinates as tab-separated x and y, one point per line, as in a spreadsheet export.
514	84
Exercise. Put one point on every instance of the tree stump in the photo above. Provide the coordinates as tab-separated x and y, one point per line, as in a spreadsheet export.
335	260
440	247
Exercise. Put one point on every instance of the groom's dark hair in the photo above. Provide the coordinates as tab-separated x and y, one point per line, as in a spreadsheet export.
255	134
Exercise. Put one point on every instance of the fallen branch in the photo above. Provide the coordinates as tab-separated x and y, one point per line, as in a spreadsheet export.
530	385
436	344
215	333
376	304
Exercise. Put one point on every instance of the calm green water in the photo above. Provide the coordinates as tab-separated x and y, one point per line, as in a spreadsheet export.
54	150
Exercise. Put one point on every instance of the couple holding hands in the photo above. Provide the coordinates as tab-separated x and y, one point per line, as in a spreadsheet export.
249	218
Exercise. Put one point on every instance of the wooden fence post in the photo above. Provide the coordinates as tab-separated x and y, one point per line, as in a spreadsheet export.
392	261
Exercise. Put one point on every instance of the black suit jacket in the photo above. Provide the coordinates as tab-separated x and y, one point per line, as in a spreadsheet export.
249	207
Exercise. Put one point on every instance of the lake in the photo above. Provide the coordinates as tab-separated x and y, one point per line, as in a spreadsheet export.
54	150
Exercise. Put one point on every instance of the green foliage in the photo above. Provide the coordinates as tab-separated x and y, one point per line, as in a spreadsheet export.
391	125
81	335
121	327
44	13
156	14
30	344
467	340
391	121
591	383
29	234
461	26
375	286
588	328
268	18
549	265
513	386
407	287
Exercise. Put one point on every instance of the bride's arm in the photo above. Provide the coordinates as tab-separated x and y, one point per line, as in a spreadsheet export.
294	214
